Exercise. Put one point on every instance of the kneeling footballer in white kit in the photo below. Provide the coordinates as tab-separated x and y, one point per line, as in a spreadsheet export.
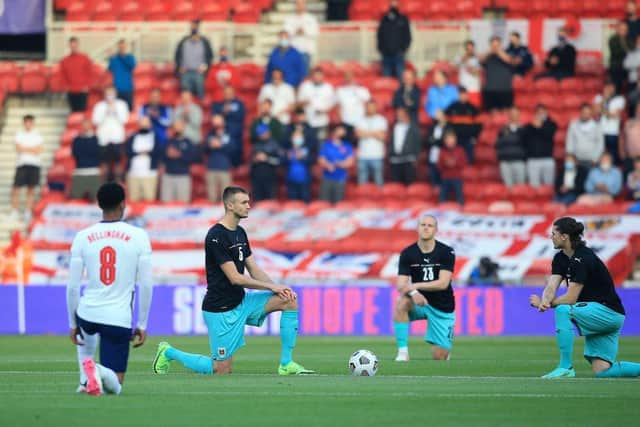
114	255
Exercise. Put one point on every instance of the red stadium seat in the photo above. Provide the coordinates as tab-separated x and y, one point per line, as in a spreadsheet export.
34	79
131	11
544	193
518	8
157	11
527	208
246	13
183	11
420	191
214	11
546	85
485	154
493	191
78	11
541	8
473	191
475	207
437	10
104	11
501	207
9	77
571	86
394	191
522	192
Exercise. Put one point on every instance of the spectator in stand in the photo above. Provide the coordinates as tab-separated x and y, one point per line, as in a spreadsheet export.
121	66
463	117
538	141
160	116
336	157
371	132
303	30
511	151
193	58
233	110
470	73
144	156
178	157
570	181
28	142
77	73
223	73
299	126
521	57
408	94
301	147
286	58
631	65
561	59
497	93
275	128
451	161
338	10
604	182
351	98
282	94
190	114
633	22
404	147
612	106
265	159
633	180
438	130
86	178
394	40
630	143
440	94
318	98
619	47
218	149
109	116
584	138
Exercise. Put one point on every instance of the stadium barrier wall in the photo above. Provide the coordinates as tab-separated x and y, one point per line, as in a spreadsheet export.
324	310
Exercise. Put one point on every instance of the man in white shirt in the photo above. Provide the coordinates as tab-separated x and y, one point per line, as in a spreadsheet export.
318	98
281	94
115	255
612	106
470	73
303	29
371	132
351	98
109	116
142	176
28	147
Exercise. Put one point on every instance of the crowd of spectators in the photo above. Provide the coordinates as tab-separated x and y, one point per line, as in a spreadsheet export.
291	139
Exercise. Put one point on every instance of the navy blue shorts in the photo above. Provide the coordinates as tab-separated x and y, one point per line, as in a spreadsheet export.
114	343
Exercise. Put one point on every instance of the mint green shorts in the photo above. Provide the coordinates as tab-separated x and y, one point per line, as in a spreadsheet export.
226	329
440	325
600	327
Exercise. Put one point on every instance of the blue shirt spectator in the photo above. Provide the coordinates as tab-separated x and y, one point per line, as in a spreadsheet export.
160	116
219	158
121	66
604	179
440	95
334	152
179	165
289	60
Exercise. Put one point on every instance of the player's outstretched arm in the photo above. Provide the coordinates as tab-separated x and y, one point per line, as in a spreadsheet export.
549	293
237	279
255	271
570	297
440	284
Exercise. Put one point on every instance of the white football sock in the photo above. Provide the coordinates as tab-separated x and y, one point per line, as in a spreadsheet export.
109	380
403	350
86	350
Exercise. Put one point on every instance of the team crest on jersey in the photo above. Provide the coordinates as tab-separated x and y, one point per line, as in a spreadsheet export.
222	351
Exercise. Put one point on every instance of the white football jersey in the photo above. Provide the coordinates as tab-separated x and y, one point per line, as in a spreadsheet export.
114	255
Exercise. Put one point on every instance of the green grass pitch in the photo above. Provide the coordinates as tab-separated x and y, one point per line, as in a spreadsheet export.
488	382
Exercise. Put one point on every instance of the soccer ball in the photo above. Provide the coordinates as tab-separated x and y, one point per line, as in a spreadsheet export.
363	363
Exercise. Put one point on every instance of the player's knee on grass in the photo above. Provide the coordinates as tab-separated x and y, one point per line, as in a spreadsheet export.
439	353
222	367
599	365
